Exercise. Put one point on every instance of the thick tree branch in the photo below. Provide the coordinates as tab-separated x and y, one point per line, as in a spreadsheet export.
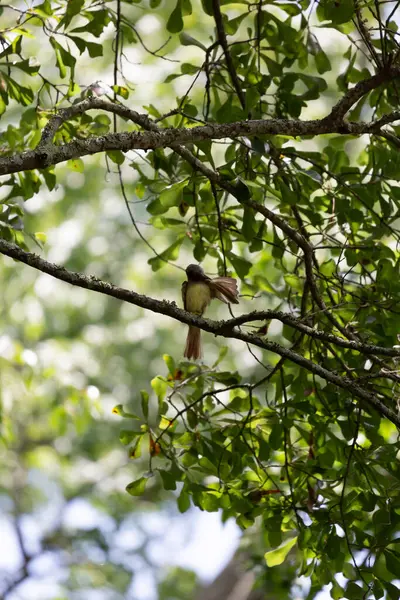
317	334
46	154
362	88
386	119
171	310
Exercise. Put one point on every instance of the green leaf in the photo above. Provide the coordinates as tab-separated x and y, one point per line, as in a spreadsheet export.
232	25
241	265
249	226
183	501
49	177
175	21
276	557
242	190
208	502
227	377
73	8
137	487
207	7
188	69
337	11
159	385
76	164
13	48
192	419
322	62
171	253
275	439
274	68
187	40
97	21
94	49
79	42
41	236
29	66
222	353
392	562
199	251
121	90
294	282
116	156
121	412
288	195
63	58
328	268
186	7
2	106
378	590
44	9
333	545
126	436
172	195
23	95
337	592
135	451
60	64
169	481
145	403
172	76
169	361
156	208
354	591
392	590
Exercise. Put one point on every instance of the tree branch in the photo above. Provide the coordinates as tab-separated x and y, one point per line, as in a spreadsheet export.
171	310
318	334
362	88
224	43
65	114
46	154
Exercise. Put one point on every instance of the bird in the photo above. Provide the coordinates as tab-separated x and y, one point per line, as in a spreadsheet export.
197	293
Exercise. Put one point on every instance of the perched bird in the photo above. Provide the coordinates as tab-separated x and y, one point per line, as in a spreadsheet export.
197	293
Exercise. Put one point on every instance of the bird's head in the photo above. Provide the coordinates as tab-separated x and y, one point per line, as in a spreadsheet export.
195	273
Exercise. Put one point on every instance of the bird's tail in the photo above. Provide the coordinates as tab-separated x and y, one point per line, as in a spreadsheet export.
193	343
225	289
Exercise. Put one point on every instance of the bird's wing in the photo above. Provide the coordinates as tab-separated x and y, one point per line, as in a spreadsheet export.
225	289
184	286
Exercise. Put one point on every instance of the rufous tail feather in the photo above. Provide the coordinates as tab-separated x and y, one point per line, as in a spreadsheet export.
193	343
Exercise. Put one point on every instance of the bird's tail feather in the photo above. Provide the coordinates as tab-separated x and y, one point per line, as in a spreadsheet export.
193	343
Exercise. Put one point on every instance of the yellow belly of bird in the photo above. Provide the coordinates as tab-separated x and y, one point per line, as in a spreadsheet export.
198	297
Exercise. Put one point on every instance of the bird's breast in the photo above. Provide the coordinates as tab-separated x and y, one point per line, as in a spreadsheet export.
198	297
